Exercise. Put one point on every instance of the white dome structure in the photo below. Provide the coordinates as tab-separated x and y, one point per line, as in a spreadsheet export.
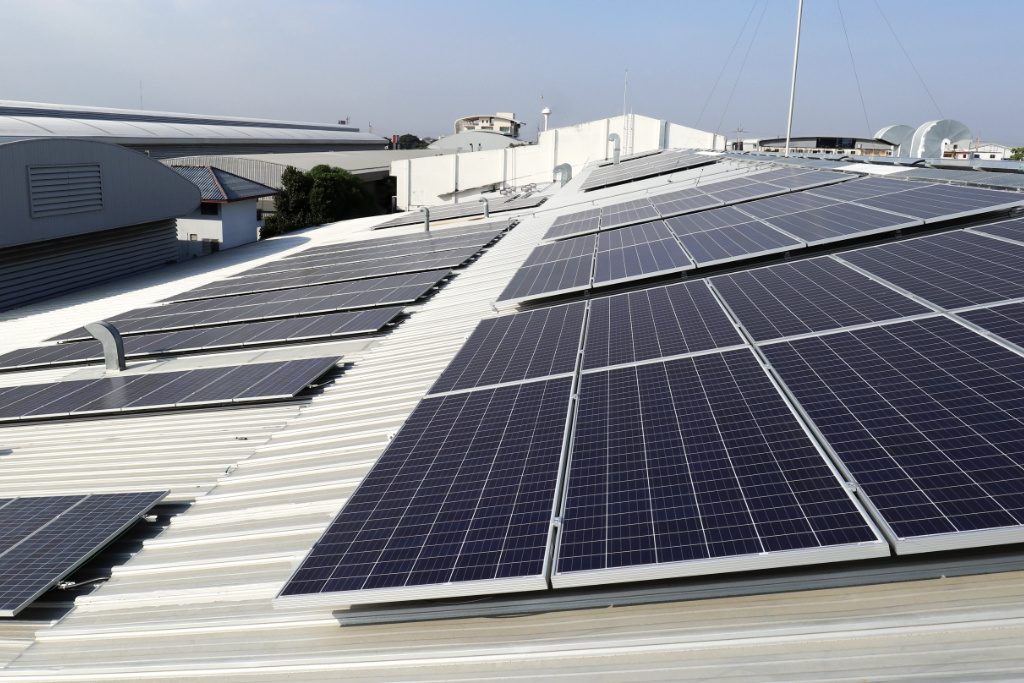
932	138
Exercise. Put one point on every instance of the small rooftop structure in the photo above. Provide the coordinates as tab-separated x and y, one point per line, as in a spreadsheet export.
504	122
219	186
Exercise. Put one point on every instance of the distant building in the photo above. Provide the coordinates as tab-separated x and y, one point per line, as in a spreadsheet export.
826	145
227	217
78	212
979	150
503	122
473	141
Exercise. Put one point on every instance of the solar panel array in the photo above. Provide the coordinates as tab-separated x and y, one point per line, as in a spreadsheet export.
161	390
1002	181
465	210
756	228
644	167
711	191
813	411
44	539
221	337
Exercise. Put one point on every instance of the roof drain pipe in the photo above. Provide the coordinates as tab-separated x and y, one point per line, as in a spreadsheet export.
113	347
563	172
614	137
426	217
487	207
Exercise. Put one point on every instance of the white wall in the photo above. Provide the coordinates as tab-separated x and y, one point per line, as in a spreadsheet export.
236	225
436	180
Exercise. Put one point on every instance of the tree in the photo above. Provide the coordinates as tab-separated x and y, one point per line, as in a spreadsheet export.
324	194
410	141
1017	153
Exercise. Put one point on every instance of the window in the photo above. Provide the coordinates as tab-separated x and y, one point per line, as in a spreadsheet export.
207	209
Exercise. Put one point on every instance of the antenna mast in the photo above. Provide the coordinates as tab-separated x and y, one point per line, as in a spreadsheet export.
792	86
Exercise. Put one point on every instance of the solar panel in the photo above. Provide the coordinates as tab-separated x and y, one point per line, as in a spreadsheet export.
862	188
808	296
517	347
644	250
549	279
973	177
460	503
945	201
627	213
54	536
578	223
748	240
480	231
655	323
683	201
1005	320
697	466
464	210
840	221
780	205
1011	230
927	416
747	192
800	179
210	338
666	162
951	269
707	220
565	249
126	393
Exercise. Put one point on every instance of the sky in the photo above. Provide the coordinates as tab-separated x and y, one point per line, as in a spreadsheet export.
415	66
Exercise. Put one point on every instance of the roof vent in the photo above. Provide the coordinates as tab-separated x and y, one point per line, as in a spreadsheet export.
617	149
110	338
563	172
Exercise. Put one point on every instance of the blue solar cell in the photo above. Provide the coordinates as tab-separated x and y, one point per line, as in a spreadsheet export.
707	220
781	205
77	529
1006	320
863	188
547	279
926	415
565	249
944	201
627	213
840	221
654	323
696	459
1011	230
464	493
808	296
683	201
952	269
516	347
638	251
736	242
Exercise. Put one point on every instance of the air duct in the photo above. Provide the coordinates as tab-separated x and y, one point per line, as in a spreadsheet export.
110	338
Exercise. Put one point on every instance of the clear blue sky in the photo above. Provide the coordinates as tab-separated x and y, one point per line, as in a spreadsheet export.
416	65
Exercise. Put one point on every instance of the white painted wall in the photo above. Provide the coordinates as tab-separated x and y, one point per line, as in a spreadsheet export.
236	225
438	180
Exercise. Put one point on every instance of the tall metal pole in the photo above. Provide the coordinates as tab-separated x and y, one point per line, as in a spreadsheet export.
792	86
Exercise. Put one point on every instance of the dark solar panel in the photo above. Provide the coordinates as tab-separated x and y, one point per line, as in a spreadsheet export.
952	269
780	205
516	347
862	188
683	201
747	240
840	221
627	213
945	201
808	296
565	249
64	533
547	279
464	493
927	416
123	393
696	459
655	323
1007	321
638	251
707	220
1011	230
578	223
741	194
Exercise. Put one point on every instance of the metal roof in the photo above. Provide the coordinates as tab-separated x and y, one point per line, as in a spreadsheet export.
197	601
217	185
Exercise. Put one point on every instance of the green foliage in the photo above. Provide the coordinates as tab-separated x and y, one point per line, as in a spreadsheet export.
1017	153
410	141
324	194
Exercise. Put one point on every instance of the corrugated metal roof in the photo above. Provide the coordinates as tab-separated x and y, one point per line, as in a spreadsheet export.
197	602
217	185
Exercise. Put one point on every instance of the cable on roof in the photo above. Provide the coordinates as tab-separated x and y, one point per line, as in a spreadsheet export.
911	61
725	64
856	76
739	74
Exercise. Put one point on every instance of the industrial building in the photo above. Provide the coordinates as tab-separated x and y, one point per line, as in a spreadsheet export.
79	212
697	415
503	123
165	134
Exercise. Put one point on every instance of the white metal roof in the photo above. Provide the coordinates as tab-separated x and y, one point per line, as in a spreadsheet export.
196	602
